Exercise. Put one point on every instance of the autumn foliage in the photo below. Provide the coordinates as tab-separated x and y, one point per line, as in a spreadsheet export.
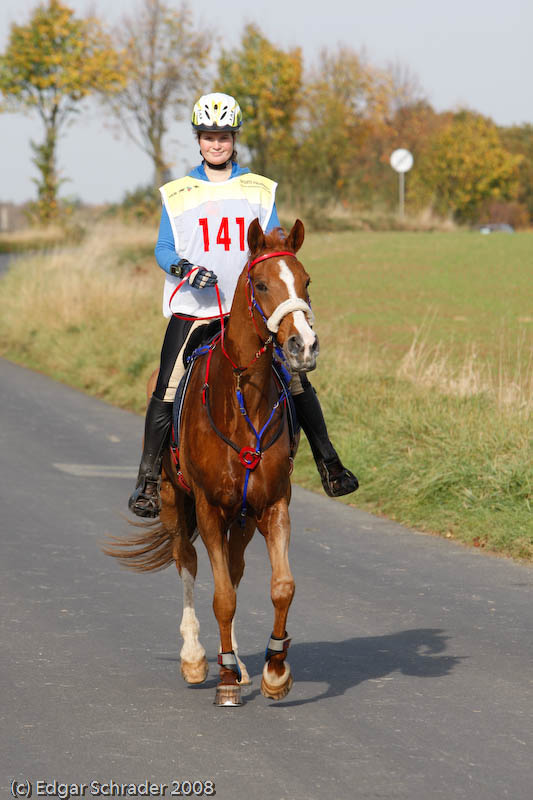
325	131
50	65
327	134
267	82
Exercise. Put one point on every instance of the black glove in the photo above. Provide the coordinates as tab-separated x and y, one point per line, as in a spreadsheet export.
202	277
199	278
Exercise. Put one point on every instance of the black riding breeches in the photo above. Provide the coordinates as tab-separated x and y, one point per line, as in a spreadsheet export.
175	337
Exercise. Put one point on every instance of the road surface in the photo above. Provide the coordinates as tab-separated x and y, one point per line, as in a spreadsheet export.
412	656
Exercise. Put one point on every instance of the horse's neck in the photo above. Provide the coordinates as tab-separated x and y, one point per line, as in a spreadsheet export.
242	344
241	339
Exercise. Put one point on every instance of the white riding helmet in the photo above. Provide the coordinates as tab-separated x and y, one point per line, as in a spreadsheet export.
216	112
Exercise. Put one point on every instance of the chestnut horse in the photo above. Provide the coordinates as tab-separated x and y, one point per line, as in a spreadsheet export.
235	459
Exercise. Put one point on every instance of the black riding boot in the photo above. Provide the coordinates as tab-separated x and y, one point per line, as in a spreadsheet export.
146	500
336	479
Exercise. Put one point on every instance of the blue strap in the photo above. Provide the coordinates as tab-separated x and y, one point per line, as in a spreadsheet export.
242	519
258	437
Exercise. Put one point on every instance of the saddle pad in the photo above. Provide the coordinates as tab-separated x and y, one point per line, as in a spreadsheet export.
201	336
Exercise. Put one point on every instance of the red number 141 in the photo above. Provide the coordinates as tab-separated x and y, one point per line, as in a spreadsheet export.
223	236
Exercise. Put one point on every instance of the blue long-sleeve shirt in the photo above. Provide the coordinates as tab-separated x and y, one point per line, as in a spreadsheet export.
165	249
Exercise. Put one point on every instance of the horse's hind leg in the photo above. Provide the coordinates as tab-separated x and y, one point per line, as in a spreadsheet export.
194	666
275	527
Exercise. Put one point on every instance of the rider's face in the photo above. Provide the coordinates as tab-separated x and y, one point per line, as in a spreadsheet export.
216	148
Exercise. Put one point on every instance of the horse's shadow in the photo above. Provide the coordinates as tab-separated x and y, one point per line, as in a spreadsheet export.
344	665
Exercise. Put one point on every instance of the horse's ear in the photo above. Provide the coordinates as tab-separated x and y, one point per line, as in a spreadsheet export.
296	236
256	237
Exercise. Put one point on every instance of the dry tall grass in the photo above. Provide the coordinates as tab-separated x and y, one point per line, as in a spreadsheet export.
509	382
86	315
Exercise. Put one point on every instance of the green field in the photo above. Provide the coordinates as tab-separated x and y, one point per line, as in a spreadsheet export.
425	375
475	290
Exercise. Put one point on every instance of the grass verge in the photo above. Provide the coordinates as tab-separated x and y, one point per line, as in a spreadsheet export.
434	418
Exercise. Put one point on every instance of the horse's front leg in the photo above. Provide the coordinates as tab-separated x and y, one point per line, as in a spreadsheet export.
213	532
238	541
275	527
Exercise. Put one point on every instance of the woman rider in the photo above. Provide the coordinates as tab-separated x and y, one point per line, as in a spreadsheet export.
204	220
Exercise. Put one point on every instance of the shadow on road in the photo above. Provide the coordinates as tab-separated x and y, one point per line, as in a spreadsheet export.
344	665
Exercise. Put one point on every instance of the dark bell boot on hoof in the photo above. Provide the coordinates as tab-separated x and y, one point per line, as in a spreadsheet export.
146	499
336	479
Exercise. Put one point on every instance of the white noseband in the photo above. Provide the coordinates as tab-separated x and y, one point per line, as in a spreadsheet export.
287	307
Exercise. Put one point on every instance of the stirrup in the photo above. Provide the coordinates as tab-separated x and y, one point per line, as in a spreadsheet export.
146	499
336	479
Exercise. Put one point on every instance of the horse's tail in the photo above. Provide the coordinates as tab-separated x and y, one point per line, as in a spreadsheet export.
143	552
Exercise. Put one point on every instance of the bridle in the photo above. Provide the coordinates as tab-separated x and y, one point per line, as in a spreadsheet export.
285	307
272	322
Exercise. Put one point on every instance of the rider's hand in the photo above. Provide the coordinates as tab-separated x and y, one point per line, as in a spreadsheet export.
202	277
199	278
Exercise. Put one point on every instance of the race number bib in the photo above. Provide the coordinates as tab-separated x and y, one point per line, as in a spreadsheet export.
210	223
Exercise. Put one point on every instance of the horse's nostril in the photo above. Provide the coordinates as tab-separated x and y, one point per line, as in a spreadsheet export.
315	348
294	345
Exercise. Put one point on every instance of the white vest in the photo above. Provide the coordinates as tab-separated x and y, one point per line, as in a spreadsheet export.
210	223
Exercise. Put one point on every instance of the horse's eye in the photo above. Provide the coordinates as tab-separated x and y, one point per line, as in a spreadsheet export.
308	281
261	287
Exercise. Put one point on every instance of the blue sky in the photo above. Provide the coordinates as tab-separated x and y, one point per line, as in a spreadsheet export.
474	53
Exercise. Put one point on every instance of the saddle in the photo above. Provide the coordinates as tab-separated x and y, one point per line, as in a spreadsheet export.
200	342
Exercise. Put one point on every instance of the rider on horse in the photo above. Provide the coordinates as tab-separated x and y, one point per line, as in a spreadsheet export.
204	220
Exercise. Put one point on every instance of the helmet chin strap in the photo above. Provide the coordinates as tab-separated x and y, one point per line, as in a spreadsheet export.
217	166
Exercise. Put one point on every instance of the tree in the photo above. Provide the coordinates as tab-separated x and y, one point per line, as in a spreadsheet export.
466	164
266	82
518	139
345	100
166	65
409	124
50	65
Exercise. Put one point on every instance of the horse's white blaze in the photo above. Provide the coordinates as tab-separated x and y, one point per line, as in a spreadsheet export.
300	321
192	651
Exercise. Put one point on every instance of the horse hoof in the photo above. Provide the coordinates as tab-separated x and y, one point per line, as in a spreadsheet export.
275	688
195	672
228	695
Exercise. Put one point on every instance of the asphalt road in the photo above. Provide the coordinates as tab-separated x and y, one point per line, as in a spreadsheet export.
412	656
5	258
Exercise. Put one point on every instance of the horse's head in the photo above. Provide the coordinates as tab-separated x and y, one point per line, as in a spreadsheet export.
279	286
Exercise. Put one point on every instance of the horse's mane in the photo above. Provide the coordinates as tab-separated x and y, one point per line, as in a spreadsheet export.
277	238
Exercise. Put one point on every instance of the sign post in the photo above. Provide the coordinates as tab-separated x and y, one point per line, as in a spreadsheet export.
401	161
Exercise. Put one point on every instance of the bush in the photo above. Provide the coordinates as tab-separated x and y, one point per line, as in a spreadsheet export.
510	213
142	204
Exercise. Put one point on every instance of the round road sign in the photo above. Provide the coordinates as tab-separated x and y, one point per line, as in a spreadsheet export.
401	160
